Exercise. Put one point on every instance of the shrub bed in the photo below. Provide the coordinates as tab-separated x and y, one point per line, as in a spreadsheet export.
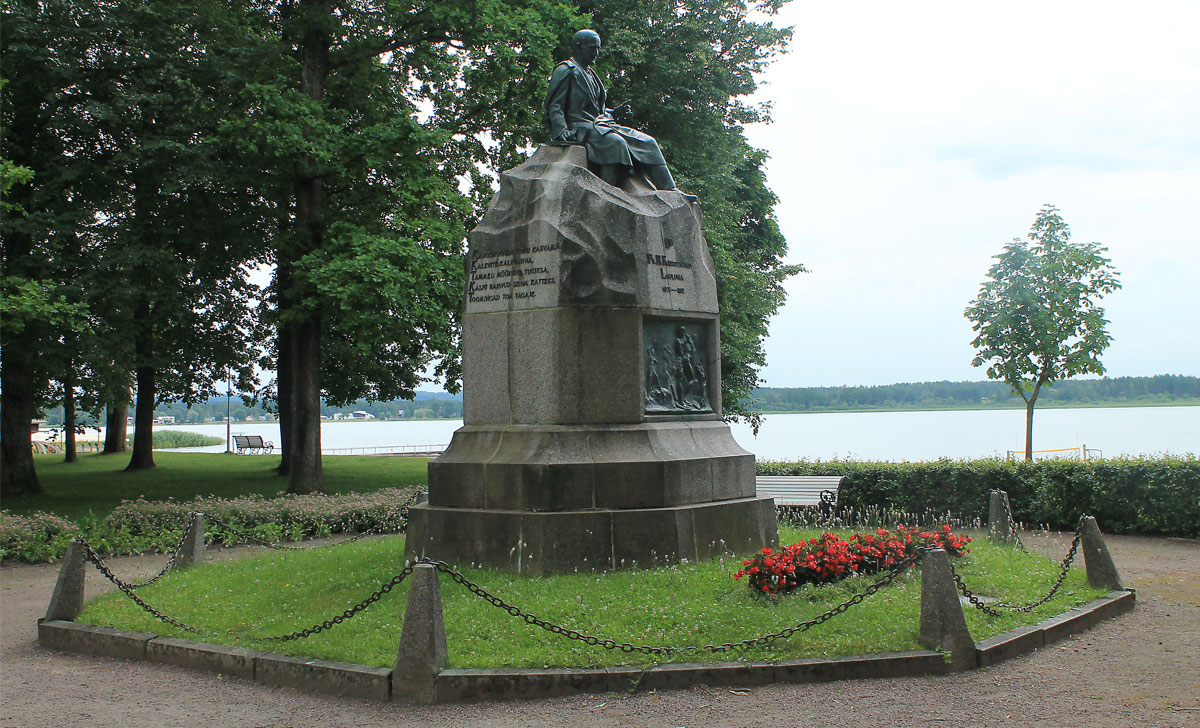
1143	495
142	526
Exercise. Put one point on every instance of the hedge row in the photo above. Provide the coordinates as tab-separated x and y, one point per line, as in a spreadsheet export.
1142	495
142	526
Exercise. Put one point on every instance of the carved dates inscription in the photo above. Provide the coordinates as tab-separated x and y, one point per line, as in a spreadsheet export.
675	358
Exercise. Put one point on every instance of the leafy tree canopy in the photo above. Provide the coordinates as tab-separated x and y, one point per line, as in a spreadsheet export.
1037	316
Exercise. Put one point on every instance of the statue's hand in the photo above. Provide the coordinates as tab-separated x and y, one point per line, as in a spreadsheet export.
566	135
621	111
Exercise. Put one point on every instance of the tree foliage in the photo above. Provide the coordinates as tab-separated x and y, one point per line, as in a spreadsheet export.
1037	316
158	150
133	218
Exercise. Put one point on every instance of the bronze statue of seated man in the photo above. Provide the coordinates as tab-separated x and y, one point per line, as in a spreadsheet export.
576	112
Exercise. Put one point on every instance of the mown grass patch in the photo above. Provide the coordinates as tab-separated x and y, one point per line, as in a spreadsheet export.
688	604
98	483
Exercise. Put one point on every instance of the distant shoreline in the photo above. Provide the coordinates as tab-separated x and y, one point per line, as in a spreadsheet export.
969	408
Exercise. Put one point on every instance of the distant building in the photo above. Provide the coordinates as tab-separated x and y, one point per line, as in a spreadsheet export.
361	415
164	420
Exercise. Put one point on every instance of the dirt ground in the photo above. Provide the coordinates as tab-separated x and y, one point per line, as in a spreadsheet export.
1140	669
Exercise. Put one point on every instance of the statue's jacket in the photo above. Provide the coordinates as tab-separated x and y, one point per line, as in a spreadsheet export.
575	100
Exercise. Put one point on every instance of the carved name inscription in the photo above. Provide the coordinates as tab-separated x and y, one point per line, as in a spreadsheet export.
511	274
672	274
675	359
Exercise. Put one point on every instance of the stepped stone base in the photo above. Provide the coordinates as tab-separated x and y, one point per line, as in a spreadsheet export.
589	540
578	467
559	498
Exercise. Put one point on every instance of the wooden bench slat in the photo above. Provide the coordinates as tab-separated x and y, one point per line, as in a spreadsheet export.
797	490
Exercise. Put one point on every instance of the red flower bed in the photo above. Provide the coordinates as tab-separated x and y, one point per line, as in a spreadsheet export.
828	558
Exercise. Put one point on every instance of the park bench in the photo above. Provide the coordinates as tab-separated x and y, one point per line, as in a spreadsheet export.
800	490
250	444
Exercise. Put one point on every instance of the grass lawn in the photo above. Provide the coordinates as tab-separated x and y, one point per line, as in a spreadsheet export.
691	604
98	483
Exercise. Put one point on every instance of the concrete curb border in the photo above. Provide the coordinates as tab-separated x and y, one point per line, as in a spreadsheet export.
458	685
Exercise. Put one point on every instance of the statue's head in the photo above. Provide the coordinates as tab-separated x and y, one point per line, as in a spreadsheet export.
585	46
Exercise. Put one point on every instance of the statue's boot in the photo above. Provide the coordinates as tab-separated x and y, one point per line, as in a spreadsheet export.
661	178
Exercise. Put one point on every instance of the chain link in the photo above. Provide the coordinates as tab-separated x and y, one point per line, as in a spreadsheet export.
610	644
1012	524
170	559
1001	607
128	589
93	557
322	626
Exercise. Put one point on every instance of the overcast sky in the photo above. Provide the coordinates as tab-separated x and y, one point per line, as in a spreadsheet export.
911	141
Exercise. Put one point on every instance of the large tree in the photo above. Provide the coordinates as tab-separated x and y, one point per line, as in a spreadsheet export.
135	210
1037	316
368	131
44	127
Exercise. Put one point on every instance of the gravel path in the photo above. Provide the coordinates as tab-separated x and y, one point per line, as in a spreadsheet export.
1141	669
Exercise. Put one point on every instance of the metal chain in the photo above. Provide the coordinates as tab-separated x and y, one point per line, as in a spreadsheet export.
93	557
1012	524
375	596
1001	607
170	559
379	528
610	644
322	626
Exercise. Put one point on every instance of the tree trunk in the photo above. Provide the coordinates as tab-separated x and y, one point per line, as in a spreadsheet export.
17	409
70	453
143	412
19	375
1029	420
305	474
283	387
115	427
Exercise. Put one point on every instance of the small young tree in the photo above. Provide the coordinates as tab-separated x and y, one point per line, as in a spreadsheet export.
1038	316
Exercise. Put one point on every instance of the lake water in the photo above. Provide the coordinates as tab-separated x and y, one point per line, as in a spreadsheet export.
893	436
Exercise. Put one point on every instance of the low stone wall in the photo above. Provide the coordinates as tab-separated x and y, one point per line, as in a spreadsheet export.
453	685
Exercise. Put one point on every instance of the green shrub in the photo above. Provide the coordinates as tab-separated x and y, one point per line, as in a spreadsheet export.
1142	495
142	526
35	537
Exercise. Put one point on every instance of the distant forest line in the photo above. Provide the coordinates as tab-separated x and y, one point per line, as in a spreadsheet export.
1162	389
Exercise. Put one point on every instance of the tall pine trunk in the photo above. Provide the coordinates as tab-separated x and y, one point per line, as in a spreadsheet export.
143	411
115	427
283	380
17	409
18	365
306	474
303	453
71	454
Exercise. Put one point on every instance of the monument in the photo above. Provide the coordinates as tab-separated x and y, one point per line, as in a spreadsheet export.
592	436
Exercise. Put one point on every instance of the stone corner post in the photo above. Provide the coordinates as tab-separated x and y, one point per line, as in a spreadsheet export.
943	625
67	601
1000	522
192	550
1101	571
422	653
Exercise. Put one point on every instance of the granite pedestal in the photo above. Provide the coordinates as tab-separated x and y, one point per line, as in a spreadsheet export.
591	379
